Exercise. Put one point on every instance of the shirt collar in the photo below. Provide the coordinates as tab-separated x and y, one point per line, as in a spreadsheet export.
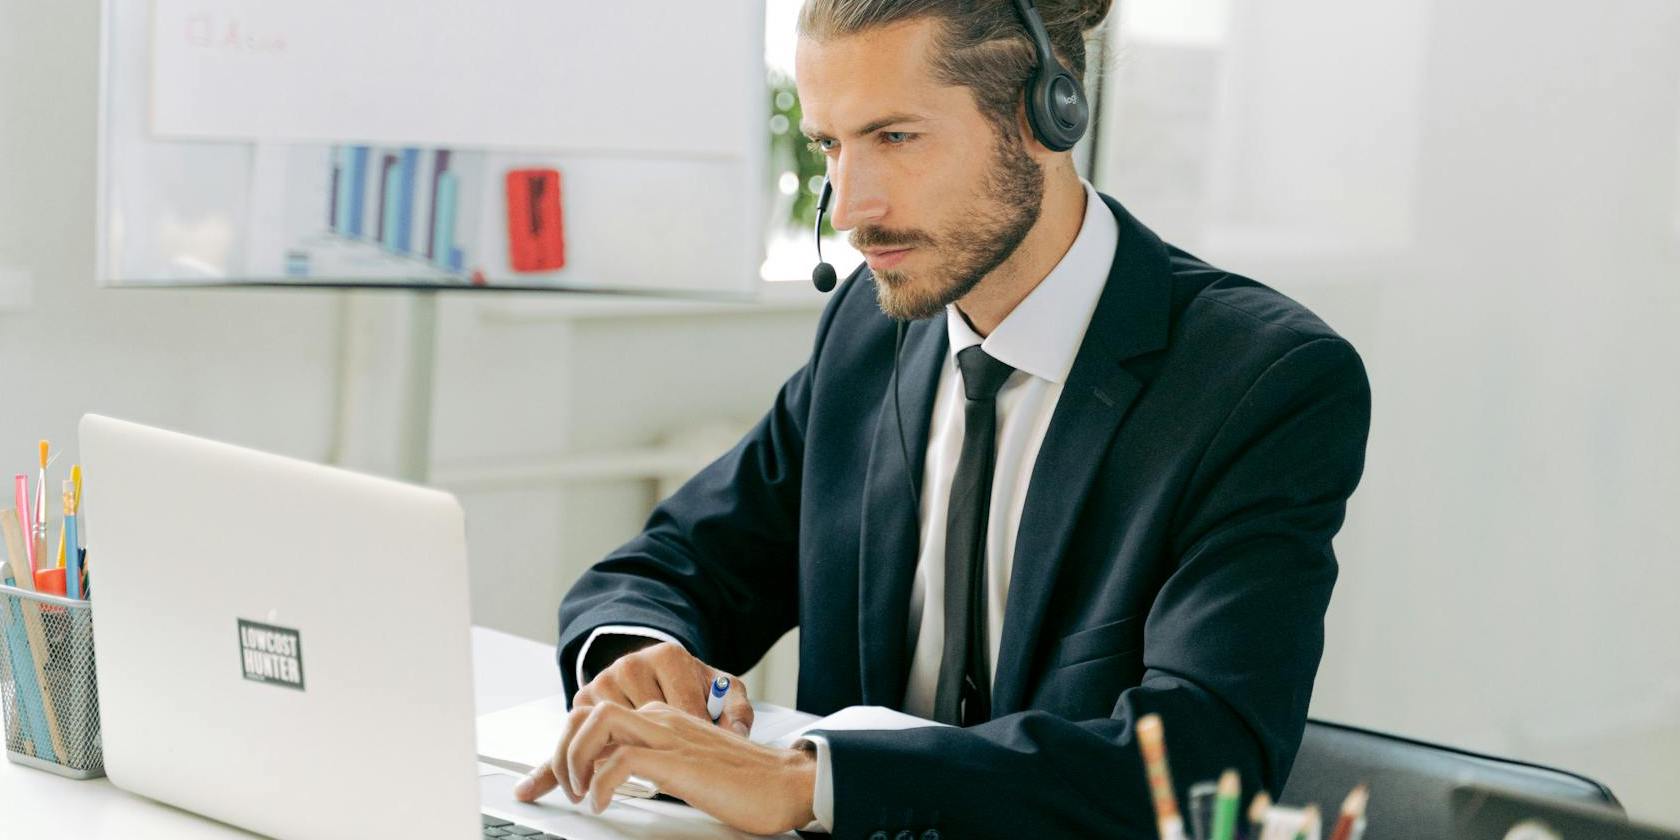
1042	334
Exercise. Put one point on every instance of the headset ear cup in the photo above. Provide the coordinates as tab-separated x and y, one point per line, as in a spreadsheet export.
1067	106
1056	109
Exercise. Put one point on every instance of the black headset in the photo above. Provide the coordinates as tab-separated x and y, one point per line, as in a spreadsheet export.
1055	100
1056	110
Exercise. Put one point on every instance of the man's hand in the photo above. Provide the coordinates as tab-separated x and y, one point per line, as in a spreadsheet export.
662	673
758	789
665	673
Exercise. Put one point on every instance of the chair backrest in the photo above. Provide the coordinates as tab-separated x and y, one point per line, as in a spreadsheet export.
1412	782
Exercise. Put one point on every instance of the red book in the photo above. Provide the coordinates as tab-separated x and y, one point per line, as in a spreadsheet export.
536	238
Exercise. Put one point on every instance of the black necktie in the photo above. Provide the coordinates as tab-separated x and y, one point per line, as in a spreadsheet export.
964	694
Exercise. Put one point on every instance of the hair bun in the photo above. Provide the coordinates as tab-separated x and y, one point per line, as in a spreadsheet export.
1093	12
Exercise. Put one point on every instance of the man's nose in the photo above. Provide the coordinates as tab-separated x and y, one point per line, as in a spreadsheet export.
859	197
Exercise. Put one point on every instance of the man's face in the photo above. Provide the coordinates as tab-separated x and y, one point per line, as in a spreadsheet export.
932	195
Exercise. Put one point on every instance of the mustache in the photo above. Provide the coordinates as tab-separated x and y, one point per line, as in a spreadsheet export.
868	238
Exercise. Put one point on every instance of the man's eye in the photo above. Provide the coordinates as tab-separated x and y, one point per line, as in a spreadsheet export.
897	137
822	146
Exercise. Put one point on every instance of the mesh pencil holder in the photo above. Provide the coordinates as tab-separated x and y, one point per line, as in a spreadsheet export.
47	685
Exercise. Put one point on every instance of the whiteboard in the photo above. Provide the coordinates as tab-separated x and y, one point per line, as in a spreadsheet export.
378	142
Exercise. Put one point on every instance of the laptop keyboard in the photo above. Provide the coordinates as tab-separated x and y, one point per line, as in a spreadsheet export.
494	827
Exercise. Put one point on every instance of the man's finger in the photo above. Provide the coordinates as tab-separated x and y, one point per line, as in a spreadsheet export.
606	723
737	709
536	784
574	719
685	688
615	769
641	683
609	687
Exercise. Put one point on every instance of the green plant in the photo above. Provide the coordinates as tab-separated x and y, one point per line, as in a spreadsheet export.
789	152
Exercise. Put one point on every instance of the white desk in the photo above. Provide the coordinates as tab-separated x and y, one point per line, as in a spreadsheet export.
507	671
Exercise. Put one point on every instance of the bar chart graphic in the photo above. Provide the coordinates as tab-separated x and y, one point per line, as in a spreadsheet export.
404	201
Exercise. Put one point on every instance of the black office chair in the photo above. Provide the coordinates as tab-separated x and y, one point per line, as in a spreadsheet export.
1412	781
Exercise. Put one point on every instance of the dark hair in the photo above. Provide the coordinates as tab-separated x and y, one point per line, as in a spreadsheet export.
983	44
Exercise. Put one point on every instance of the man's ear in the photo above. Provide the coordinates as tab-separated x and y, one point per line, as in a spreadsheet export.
1035	149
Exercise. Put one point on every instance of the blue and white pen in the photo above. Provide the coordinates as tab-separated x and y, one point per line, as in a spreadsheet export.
714	697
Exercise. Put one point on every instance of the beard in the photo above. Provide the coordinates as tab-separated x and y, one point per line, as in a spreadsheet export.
961	257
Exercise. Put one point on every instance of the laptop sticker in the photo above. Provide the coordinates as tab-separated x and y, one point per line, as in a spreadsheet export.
270	654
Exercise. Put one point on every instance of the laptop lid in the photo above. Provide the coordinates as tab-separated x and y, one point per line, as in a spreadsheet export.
279	645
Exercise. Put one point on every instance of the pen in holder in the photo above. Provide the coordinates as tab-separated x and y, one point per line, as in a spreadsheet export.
48	690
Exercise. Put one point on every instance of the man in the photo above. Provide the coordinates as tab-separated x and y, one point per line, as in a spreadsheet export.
1114	491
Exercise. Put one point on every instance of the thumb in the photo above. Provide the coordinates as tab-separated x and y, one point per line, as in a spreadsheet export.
737	709
536	784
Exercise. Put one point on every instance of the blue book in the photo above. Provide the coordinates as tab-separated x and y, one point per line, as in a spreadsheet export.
407	168
448	189
357	189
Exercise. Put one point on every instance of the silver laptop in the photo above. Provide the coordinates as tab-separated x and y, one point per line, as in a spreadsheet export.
281	646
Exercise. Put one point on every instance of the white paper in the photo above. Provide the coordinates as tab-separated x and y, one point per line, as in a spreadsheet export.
641	77
1289	823
853	718
521	738
777	725
524	736
624	820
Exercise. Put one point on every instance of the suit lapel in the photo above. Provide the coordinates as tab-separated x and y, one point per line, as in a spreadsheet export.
1130	320
891	532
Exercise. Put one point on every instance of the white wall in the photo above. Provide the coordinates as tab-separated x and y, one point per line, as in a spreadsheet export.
252	367
555	420
1483	196
555	425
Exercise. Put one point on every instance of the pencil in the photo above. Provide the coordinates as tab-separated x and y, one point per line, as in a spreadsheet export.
1353	810
40	523
1257	814
1225	806
69	557
41	550
32	629
23	511
20	725
15	731
1152	742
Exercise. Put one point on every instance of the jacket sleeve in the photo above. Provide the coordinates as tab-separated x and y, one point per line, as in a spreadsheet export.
716	565
1232	643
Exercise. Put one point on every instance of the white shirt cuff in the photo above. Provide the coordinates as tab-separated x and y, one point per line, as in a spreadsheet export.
616	630
851	718
822	794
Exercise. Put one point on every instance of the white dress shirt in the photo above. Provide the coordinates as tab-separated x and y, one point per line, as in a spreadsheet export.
1040	339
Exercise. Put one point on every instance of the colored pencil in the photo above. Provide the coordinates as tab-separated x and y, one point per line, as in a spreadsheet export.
23	511
67	545
38	527
36	635
1152	742
1353	812
1257	814
1225	806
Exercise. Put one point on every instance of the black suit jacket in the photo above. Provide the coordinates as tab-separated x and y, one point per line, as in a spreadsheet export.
1173	555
